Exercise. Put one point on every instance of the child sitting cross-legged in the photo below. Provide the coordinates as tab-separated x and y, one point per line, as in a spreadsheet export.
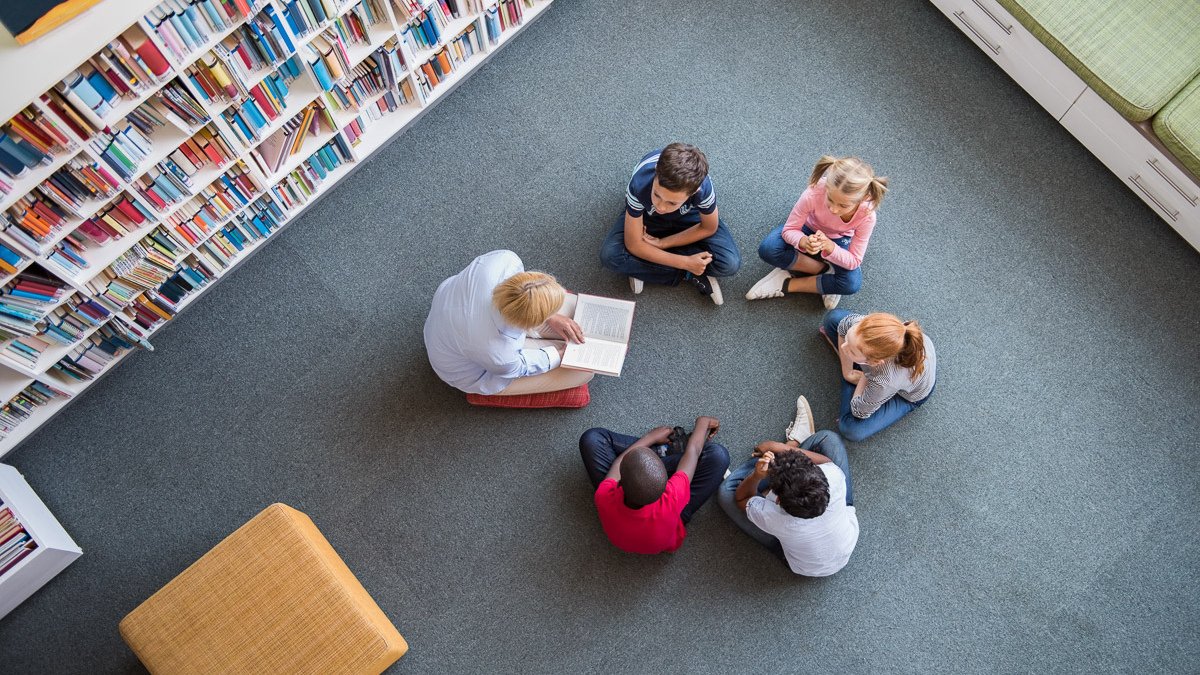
648	488
794	498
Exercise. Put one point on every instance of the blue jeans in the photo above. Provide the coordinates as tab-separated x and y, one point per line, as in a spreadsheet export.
600	447
614	256
777	252
824	442
855	429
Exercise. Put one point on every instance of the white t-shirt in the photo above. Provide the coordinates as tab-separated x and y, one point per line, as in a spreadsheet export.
815	547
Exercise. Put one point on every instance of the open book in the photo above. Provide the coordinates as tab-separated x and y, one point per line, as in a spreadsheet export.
606	323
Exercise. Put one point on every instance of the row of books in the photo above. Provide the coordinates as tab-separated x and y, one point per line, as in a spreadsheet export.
261	43
35	219
116	73
11	258
185	26
124	151
79	182
29	140
262	105
114	221
299	185
177	102
388	103
304	16
162	304
502	16
21	408
66	325
26	299
15	541
250	226
368	80
95	353
289	140
424	27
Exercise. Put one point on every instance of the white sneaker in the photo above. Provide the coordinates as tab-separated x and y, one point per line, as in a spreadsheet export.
770	286
716	296
802	427
636	285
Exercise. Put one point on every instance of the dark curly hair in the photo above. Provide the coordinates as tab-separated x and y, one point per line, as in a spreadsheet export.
800	485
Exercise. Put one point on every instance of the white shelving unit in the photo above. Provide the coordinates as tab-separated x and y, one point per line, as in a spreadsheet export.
55	549
66	48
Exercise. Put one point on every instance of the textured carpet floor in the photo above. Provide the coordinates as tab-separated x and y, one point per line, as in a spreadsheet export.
1038	515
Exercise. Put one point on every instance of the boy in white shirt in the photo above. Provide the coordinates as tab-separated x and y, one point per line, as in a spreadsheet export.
795	499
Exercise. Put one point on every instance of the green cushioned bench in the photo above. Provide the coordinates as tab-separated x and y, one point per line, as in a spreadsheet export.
1177	125
1135	55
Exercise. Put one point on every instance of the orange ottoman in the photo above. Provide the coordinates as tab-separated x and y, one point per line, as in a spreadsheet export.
273	597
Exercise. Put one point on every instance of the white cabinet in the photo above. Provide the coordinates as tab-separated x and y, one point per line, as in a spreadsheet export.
1137	161
1017	51
55	549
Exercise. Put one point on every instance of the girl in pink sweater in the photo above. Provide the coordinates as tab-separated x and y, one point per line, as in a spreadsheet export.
821	245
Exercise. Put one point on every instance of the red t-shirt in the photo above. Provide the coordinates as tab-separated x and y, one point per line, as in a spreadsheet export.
654	528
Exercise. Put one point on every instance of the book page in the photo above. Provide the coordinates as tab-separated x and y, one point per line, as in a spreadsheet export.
605	318
596	355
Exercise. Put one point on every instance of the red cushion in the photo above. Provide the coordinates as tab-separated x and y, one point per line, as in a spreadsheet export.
576	397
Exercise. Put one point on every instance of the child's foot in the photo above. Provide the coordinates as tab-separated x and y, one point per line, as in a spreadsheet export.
774	285
831	301
636	285
801	427
707	286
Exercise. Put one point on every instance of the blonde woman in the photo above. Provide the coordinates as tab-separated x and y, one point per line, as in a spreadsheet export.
889	369
483	334
821	245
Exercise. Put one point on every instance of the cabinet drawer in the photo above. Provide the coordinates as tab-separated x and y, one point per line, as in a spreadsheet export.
1137	162
1047	79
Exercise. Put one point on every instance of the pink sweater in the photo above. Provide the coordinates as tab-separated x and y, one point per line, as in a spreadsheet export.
811	210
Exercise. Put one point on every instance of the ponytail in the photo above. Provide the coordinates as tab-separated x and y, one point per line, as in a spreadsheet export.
876	189
912	354
822	166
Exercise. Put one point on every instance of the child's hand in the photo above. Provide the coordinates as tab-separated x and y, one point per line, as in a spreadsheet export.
710	423
763	466
853	377
653	241
697	263
821	243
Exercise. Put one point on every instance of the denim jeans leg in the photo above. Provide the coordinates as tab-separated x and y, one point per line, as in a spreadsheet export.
599	449
729	506
710	470
854	429
840	281
828	443
830	324
727	259
614	256
776	252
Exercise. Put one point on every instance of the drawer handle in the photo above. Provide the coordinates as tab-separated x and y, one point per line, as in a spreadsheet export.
993	17
1150	195
995	49
1154	165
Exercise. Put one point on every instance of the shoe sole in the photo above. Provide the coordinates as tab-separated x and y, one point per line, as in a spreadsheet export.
716	296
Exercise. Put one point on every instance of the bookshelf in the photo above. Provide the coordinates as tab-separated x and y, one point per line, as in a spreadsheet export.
159	144
53	550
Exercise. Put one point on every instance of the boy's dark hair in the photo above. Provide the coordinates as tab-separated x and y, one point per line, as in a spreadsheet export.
801	486
681	168
643	477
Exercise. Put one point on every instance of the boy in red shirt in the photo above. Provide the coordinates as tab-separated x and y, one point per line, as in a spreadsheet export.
644	496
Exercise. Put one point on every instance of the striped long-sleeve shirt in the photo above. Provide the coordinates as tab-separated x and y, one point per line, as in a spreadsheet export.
889	379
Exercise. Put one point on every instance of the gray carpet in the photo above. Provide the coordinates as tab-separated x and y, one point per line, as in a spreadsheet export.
1038	515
